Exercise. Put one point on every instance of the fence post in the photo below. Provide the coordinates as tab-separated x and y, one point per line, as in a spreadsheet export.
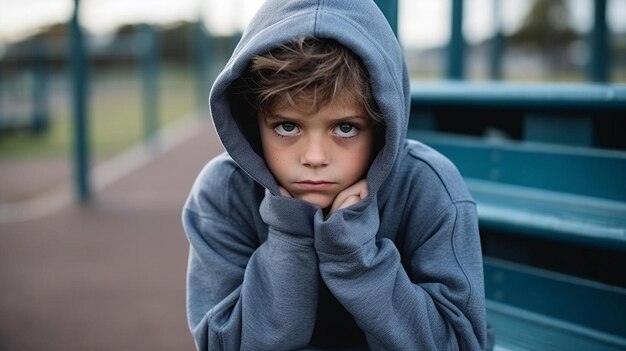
79	96
40	91
1	97
599	63
149	80
200	53
497	43
456	45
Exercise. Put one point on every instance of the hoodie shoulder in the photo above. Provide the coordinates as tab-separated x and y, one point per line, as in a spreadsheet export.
432	171
223	188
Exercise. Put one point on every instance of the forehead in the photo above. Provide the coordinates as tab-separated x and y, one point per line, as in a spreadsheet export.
340	107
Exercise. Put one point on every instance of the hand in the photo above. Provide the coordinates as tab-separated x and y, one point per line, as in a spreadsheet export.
284	192
349	196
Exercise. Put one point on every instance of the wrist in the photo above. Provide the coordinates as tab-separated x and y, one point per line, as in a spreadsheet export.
288	215
347	229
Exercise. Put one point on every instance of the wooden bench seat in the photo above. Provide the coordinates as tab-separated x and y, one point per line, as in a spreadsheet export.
566	193
534	309
546	164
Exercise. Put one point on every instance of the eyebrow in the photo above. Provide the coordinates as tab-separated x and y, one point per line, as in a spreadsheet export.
273	116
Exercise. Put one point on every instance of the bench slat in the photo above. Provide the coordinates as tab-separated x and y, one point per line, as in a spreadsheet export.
565	193
544	96
592	306
574	170
567	217
519	330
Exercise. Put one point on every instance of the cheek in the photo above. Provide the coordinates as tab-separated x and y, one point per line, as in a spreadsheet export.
276	158
274	161
357	159
358	165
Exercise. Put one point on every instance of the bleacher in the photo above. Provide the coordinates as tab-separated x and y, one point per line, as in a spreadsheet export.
546	164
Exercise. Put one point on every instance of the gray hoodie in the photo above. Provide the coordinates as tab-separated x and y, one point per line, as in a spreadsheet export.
400	270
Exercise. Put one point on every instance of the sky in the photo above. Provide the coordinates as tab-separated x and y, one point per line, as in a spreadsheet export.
423	23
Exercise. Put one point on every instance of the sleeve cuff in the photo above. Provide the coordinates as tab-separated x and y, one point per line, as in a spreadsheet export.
347	229
288	215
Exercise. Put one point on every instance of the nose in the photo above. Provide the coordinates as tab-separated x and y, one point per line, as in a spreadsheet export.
315	153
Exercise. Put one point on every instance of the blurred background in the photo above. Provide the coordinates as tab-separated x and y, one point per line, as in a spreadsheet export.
104	126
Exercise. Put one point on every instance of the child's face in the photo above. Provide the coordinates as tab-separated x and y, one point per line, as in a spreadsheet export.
315	156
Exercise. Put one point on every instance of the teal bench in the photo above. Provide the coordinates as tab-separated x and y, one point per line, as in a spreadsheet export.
535	309
547	170
561	192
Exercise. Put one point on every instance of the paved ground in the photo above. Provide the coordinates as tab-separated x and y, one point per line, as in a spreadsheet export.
111	275
28	178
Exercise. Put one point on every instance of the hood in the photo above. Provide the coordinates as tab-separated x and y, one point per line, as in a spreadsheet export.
358	25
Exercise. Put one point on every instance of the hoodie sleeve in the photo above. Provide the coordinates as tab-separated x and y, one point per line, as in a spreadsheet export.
242	294
435	303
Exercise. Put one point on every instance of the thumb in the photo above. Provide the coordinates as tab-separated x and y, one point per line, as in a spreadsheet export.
284	192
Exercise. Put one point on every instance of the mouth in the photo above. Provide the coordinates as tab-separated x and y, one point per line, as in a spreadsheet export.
314	185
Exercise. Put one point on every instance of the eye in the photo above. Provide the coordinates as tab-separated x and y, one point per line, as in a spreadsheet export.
346	130
286	129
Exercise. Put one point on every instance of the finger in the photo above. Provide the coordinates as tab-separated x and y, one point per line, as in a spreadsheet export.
362	188
338	203
333	208
350	201
358	189
355	189
284	192
364	192
341	198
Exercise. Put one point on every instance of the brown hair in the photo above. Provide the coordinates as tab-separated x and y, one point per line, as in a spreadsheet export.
308	74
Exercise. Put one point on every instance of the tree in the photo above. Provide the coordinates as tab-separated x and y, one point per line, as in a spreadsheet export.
547	28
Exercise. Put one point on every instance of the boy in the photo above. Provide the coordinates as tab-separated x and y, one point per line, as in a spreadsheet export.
322	227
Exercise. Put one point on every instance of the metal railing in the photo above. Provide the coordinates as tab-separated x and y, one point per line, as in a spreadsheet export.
598	71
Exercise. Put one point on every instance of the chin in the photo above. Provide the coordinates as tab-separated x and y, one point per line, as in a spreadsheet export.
323	201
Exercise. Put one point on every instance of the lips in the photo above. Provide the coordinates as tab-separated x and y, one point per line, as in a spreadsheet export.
314	185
